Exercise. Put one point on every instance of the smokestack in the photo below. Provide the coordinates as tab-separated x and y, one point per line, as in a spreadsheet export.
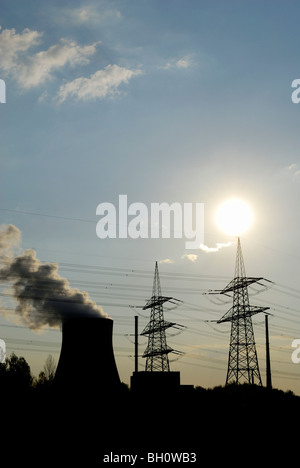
44	298
87	363
136	342
268	361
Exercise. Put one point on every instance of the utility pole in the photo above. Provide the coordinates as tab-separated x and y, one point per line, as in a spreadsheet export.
268	361
136	342
242	360
157	350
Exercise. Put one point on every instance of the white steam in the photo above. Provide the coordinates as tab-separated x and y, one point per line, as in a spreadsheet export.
43	297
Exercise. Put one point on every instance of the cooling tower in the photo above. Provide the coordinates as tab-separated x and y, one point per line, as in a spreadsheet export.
87	363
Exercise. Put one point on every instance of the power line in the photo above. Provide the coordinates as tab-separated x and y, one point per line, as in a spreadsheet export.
117	290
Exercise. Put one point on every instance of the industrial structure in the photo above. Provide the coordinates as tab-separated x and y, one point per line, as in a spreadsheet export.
87	362
157	351
268	360
157	372
242	361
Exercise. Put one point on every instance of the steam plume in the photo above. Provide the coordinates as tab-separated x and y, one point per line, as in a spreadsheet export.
43	297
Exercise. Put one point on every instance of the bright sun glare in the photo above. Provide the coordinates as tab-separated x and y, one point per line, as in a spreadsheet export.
234	217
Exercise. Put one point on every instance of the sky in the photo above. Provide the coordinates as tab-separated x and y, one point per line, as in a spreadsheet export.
164	101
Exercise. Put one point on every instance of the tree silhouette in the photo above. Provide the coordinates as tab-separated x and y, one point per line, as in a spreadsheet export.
50	368
46	376
15	373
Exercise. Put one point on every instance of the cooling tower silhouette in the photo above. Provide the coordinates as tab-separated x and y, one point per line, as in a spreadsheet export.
87	363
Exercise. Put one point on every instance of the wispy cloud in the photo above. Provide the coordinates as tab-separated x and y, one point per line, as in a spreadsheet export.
167	260
33	70
181	63
92	14
191	257
103	83
41	66
13	44
293	170
219	246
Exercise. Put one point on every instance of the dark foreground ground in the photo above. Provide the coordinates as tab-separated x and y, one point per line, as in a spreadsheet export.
234	424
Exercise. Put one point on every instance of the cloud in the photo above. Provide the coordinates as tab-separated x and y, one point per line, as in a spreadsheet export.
182	63
41	66
167	260
33	70
13	44
103	83
90	14
190	257
219	245
84	14
293	170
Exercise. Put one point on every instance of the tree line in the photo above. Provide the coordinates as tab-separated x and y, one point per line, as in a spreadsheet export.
15	374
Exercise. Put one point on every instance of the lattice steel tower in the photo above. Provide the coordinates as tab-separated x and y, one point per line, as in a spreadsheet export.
157	350
242	361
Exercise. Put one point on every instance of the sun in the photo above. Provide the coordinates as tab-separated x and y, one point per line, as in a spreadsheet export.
234	217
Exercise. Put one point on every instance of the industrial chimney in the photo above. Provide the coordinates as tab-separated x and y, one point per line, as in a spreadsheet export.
87	363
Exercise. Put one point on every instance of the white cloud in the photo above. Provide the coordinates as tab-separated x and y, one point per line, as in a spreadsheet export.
184	62
190	257
293	170
219	245
84	14
44	97
167	260
40	67
33	70
13	44
91	14
103	83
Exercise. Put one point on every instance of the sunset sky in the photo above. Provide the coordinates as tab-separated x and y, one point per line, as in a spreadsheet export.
165	101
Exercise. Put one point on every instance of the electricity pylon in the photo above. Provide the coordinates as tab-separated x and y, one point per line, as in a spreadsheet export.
157	351
242	361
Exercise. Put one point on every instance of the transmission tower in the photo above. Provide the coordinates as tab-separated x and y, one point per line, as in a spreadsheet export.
242	360
157	350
